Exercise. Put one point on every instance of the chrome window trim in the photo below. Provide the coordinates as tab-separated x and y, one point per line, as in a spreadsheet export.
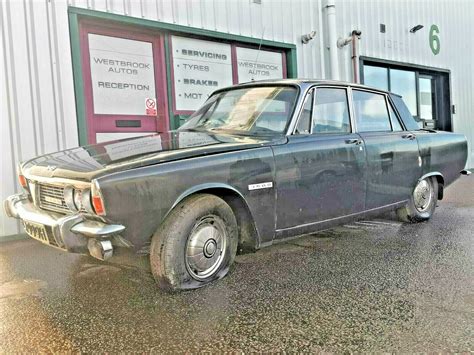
397	117
312	89
382	93
309	93
348	103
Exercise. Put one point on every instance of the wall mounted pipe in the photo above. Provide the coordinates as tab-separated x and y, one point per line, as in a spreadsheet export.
332	32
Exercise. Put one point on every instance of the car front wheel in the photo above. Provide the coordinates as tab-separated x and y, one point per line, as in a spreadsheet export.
422	202
195	245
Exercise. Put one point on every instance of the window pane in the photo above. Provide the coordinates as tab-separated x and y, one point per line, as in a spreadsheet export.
403	83
395	122
376	77
371	112
426	99
331	112
305	116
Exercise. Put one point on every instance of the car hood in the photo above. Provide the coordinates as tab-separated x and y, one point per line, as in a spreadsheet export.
88	162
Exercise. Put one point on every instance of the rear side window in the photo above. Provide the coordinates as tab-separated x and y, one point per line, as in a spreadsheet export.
331	111
397	127
405	114
371	112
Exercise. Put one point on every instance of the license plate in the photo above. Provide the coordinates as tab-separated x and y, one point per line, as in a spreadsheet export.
36	231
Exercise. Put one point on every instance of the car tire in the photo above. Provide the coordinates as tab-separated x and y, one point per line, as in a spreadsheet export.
195	245
422	202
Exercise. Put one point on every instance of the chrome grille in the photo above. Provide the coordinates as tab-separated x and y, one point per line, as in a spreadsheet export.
52	198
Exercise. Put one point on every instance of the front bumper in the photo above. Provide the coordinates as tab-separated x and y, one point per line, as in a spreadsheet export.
70	232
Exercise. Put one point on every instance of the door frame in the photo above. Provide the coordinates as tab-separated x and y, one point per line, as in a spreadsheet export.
107	121
77	15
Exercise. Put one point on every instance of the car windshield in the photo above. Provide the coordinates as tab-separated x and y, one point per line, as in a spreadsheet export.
260	110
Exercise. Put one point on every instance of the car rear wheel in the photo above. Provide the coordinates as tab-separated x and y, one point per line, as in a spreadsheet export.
195	245
422	202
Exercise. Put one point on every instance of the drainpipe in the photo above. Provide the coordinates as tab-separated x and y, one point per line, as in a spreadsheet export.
354	40
332	31
355	55
322	52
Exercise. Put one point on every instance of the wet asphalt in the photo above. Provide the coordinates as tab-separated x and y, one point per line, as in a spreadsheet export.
375	285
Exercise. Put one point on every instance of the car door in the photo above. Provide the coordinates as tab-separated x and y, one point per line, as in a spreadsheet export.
320	171
393	163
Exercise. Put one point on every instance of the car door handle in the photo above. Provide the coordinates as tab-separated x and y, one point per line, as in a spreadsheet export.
410	136
355	141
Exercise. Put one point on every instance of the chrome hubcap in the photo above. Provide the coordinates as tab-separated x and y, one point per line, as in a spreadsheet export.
422	196
205	248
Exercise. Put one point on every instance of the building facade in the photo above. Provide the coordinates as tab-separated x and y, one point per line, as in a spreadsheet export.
87	71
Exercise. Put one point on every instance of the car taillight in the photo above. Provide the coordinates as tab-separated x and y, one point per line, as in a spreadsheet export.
97	201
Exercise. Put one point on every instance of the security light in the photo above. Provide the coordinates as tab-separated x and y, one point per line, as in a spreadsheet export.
308	37
416	28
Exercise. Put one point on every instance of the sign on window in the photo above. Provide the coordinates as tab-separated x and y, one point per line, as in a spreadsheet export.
199	68
253	64
122	73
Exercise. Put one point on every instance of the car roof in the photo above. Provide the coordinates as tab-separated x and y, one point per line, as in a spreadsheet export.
303	82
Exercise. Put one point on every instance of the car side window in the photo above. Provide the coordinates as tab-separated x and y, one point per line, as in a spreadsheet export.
397	127
331	111
370	112
304	122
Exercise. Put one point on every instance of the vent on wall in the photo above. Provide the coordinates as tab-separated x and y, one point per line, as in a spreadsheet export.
257	2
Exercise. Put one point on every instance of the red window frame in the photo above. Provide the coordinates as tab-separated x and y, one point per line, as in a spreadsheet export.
105	123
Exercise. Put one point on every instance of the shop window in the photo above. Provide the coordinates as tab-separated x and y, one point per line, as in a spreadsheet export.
254	64
425	92
403	82
376	77
371	112
202	66
199	68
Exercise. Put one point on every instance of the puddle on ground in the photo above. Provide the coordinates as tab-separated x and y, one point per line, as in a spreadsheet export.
21	288
92	270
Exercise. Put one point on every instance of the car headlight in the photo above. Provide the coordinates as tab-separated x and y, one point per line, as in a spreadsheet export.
69	198
78	200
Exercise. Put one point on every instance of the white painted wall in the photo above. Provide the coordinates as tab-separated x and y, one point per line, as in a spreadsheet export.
37	94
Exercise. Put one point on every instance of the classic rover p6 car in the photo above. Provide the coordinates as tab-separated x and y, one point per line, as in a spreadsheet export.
257	163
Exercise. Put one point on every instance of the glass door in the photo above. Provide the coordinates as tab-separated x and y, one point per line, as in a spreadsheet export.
426	100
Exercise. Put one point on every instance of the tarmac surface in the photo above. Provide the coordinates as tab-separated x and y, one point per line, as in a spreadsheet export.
376	285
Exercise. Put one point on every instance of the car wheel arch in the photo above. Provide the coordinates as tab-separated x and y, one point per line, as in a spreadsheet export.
249	239
439	178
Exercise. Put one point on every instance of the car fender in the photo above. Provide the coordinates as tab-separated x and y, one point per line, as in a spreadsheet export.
438	175
251	239
202	187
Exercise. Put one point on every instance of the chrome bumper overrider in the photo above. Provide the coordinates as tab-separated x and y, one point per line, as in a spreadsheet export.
70	232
